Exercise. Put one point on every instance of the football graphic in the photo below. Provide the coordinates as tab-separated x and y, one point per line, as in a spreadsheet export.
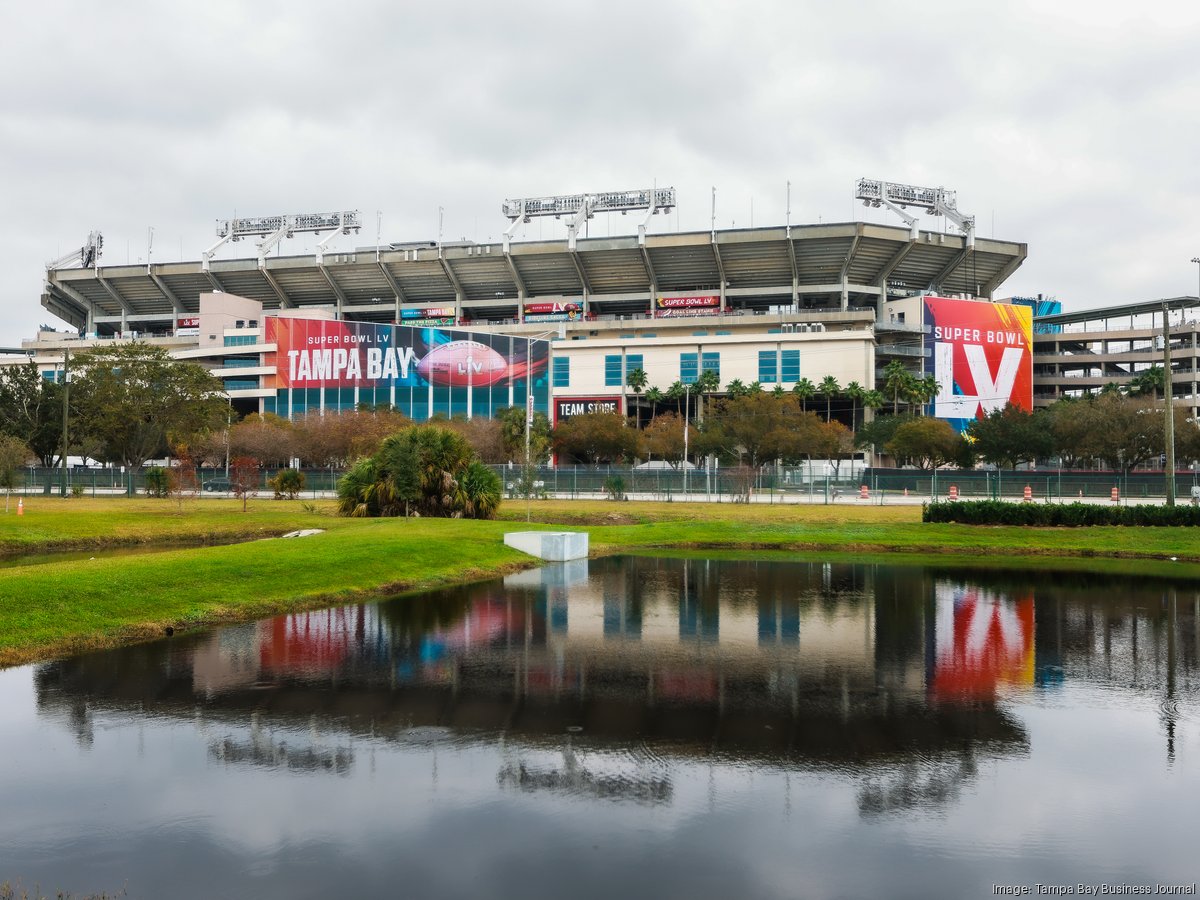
462	364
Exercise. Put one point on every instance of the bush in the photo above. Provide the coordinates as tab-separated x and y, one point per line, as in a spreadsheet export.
614	486
1068	515
158	482
287	483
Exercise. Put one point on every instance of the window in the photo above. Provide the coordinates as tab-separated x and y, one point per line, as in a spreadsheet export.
649	334
240	384
632	361
562	371
767	369
240	340
790	370
239	362
689	367
712	363
699	334
612	370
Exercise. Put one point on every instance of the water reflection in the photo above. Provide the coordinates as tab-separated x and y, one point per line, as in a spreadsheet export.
674	690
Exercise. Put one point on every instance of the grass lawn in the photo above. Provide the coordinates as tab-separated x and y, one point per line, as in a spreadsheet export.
64	607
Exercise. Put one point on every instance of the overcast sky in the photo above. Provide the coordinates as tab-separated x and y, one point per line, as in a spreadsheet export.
1071	126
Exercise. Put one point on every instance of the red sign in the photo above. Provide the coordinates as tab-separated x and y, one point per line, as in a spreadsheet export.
571	309
188	322
688	302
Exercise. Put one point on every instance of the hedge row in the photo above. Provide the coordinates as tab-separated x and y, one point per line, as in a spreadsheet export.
996	512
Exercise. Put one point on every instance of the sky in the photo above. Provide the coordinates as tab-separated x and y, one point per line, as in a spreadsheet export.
1070	126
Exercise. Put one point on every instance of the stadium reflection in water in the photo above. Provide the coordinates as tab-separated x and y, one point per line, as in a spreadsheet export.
637	726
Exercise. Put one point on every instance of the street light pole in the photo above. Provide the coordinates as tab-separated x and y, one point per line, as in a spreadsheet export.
66	408
687	408
1167	394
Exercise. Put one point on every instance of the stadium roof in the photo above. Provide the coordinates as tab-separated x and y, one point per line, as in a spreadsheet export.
833	265
1125	310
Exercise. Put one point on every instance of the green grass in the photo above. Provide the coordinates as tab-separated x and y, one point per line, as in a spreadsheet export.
65	607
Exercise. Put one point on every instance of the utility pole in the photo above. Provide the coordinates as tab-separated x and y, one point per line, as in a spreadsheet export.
66	409
1167	392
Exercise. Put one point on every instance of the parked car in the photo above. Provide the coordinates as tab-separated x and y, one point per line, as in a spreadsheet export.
217	484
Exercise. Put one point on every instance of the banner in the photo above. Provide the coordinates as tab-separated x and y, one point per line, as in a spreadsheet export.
553	312
682	313
321	353
982	357
187	326
689	302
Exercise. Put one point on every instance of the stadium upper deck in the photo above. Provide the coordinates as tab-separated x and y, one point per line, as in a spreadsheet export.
819	267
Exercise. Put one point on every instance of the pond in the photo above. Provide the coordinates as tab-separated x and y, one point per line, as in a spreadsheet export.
630	727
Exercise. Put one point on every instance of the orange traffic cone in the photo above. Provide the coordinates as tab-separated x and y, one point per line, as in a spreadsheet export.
21	507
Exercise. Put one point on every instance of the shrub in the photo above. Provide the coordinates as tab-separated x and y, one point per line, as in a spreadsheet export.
1069	515
158	482
614	486
287	483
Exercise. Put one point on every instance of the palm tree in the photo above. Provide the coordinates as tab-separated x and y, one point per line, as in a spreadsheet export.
654	397
637	381
928	387
829	388
778	391
736	388
804	389
873	400
895	378
708	382
1149	381
678	393
856	392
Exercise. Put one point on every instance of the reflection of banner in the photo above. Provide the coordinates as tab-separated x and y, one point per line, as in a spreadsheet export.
567	407
983	641
982	357
313	353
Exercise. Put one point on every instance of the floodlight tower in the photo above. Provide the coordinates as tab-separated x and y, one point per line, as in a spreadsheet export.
273	229
581	207
897	197
86	257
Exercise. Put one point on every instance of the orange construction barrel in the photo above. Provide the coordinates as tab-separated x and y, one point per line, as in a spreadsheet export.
1028	493
863	493
1116	496
954	492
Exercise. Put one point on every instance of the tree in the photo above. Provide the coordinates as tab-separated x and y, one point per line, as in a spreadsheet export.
829	388
735	388
268	439
134	398
485	436
857	393
758	427
636	380
878	433
1149	382
1010	436
708	383
897	382
243	478
14	453
926	441
804	389
663	438
338	438
512	435
596	438
31	410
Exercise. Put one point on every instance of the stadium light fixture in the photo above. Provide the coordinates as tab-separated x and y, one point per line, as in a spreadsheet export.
898	197
273	229
581	207
86	257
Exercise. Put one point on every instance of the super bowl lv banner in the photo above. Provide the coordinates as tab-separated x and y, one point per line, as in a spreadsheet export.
984	643
423	372
982	357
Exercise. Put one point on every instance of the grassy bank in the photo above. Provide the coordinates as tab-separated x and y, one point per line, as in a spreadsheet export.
66	607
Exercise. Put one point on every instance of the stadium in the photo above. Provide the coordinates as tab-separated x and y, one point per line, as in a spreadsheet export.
560	324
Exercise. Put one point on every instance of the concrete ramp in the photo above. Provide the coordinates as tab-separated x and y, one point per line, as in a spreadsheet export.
556	546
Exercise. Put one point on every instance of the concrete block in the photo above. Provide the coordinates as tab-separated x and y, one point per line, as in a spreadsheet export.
556	546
